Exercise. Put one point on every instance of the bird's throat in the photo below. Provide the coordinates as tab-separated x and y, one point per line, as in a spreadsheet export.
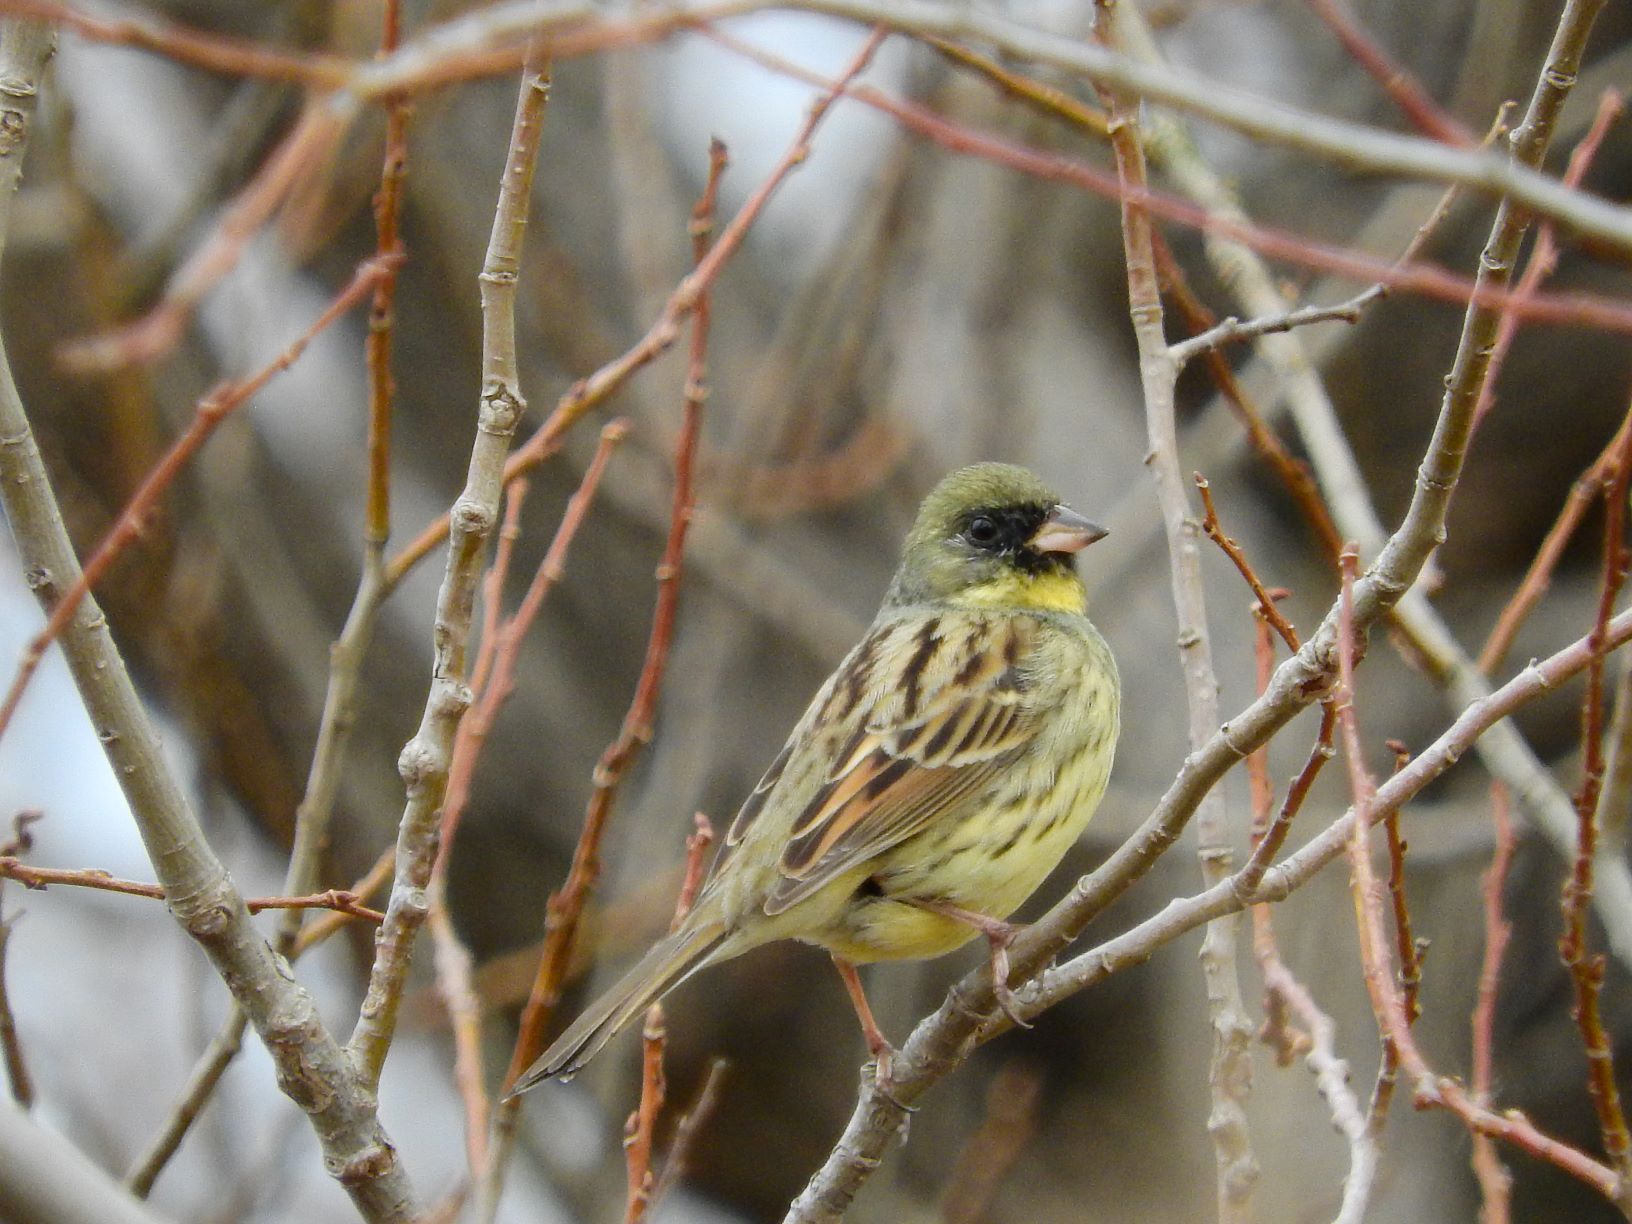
1055	590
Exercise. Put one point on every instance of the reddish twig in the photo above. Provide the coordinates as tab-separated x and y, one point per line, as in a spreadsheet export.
1586	489
1276	1031
382	311
689	1126
325	925
211	411
1429	1089
564	910
1265	605
1495	1182
341	901
230	57
641	1127
1426	280
1587	970
1415	102
1009	1123
1410	954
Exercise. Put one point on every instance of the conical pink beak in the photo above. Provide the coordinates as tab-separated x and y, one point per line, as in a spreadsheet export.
1065	531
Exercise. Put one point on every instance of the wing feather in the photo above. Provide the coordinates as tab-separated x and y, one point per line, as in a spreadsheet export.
954	723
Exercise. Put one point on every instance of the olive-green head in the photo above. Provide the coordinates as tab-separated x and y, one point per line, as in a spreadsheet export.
994	536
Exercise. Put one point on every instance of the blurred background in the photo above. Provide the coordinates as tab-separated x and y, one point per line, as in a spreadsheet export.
899	310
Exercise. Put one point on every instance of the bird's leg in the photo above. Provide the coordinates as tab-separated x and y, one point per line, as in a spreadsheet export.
999	935
877	1044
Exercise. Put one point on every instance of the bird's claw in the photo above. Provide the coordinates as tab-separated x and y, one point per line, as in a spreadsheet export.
883	1077
1007	1001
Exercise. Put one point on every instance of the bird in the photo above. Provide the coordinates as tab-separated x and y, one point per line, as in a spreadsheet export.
936	779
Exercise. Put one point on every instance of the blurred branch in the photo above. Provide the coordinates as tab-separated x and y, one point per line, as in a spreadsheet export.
1230	1070
312	1068
44	1177
1425	114
318	130
1009	1124
211	411
426	757
489	40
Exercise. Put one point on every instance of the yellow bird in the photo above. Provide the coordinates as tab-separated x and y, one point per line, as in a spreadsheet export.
939	775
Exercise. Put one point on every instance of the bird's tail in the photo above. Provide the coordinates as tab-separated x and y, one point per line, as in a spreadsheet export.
664	967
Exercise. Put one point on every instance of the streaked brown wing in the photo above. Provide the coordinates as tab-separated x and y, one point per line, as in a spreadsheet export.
951	718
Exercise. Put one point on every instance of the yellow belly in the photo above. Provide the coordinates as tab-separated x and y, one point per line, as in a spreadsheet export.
989	862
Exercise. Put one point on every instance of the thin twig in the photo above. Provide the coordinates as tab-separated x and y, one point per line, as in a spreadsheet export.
1264	606
1495	1182
1238	331
339	900
1587	970
1586	489
564	910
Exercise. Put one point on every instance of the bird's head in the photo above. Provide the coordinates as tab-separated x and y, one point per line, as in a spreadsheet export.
994	536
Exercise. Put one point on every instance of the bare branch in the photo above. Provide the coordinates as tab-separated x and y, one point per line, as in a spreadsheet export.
312	1068
425	758
1230	1071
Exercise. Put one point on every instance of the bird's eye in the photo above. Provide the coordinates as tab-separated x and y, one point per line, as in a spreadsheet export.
982	530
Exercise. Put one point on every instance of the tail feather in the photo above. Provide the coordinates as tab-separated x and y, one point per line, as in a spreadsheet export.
659	971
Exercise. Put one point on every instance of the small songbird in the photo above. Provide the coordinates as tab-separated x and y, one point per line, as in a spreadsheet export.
938	776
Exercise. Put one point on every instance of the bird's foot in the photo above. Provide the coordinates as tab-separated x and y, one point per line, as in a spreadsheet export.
999	935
